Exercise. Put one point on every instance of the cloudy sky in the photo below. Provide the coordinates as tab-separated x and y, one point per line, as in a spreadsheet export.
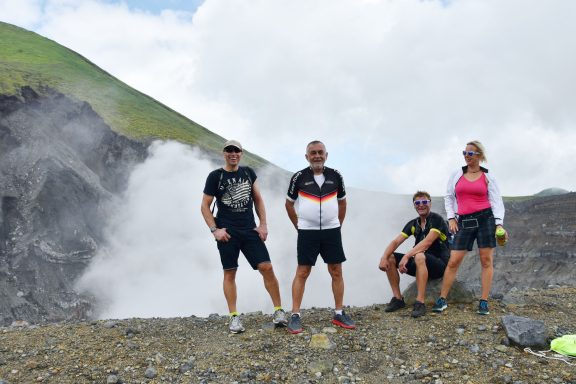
395	88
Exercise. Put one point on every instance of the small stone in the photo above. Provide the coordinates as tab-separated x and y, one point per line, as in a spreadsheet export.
110	324
501	348
321	341
150	373
329	330
112	379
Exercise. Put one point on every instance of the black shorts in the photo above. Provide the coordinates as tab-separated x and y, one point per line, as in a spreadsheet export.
246	240
479	226
434	264
326	242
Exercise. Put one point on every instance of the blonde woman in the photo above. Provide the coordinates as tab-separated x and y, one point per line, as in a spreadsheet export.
475	209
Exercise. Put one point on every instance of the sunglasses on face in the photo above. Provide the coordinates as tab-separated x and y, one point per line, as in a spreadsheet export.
423	202
470	153
232	150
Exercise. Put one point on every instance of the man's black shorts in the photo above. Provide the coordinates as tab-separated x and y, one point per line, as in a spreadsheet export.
435	265
326	242
246	240
479	226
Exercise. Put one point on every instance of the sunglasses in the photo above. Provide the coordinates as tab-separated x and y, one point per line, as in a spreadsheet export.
470	153
232	150
423	202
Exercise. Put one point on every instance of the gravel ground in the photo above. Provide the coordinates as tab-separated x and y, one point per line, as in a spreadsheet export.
457	346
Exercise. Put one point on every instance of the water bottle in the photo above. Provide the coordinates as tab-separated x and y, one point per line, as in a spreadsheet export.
501	236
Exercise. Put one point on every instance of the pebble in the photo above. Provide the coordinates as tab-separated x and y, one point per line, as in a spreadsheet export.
150	373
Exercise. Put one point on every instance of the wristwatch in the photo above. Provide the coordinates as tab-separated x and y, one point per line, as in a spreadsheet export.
213	229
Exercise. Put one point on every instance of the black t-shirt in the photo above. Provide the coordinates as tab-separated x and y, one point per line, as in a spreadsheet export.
434	222
233	193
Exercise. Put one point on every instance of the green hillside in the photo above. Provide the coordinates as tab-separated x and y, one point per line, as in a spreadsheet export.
28	59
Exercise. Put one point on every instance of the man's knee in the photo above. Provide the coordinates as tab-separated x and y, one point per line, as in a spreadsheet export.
265	268
303	271
335	270
420	259
229	274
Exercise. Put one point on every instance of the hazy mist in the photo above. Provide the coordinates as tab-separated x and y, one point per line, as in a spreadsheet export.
161	260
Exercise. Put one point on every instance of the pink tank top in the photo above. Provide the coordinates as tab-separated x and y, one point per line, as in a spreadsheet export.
472	196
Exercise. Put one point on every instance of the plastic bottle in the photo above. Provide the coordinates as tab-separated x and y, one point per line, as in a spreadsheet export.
501	236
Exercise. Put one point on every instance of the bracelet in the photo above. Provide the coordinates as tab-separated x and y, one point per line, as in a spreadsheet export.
213	229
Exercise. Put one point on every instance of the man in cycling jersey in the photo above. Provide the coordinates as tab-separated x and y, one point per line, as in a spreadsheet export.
321	198
426	260
237	193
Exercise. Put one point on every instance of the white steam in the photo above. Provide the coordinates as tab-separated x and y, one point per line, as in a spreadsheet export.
160	259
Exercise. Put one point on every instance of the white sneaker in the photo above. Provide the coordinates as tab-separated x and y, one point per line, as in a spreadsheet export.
235	325
279	318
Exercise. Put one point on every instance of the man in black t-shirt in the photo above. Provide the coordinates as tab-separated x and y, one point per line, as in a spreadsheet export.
237	194
426	260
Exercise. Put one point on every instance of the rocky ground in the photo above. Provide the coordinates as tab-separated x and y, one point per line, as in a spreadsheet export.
457	346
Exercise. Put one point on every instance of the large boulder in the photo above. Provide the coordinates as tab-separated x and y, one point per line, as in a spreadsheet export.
525	332
460	292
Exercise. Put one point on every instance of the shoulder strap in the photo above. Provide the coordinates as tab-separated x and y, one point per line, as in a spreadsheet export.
247	174
218	188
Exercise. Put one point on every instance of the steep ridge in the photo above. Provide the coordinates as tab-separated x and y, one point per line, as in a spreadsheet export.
60	164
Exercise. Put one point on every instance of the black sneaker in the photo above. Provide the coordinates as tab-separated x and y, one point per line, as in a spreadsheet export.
294	324
395	304
343	321
419	309
483	308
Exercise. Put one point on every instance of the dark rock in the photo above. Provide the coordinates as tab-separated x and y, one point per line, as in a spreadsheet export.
525	332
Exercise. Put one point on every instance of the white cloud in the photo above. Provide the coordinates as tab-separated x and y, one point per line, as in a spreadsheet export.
25	13
394	88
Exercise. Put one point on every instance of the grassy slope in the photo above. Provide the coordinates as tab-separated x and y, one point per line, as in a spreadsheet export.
28	59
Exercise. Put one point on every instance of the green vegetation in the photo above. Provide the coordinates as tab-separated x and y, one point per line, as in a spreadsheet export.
28	59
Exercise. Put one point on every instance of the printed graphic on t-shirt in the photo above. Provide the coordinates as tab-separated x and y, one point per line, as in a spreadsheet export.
236	194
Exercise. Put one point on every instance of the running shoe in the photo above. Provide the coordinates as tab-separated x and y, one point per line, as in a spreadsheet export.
419	309
440	305
235	325
343	321
395	304
279	317
483	308
295	324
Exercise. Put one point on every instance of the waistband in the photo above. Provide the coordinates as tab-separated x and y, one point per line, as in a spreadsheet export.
482	213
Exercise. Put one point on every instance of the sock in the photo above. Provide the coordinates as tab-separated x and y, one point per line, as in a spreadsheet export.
296	313
232	314
277	308
338	311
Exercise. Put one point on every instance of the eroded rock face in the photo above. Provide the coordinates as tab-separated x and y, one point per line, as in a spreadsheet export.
541	250
60	164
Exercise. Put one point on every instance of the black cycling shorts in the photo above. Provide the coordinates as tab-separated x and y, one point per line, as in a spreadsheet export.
246	240
479	226
435	265
326	242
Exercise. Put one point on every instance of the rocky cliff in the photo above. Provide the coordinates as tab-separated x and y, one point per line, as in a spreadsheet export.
541	250
59	166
